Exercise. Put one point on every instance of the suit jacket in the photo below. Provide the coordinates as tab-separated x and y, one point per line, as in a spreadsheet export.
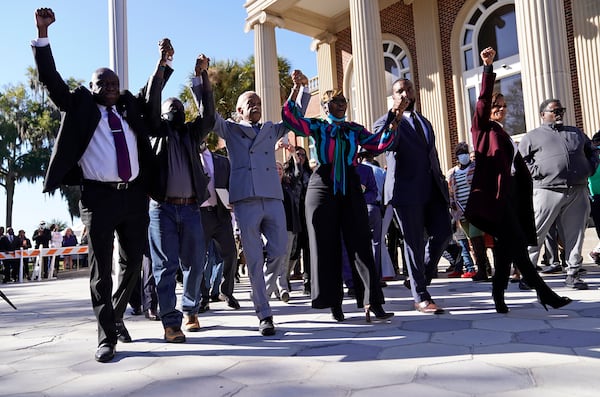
493	185
80	117
191	134
252	156
413	167
222	169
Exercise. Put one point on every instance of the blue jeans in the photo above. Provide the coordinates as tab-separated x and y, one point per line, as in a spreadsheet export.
213	271
467	260
176	239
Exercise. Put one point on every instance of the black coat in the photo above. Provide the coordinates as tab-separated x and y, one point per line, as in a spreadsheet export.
80	117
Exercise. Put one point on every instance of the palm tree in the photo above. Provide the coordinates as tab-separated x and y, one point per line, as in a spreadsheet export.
27	128
229	80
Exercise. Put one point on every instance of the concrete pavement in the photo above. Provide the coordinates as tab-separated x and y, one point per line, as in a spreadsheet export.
47	346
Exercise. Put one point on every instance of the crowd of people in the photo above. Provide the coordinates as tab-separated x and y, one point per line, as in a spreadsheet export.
45	236
171	202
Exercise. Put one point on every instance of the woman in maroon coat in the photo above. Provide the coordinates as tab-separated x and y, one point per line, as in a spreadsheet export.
500	202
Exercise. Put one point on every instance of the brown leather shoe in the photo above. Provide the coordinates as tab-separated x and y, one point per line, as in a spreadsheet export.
191	323
174	335
428	307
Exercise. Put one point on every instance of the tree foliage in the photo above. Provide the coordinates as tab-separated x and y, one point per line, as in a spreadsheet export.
229	80
28	124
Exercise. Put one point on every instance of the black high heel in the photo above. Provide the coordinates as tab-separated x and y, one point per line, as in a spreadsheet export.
337	313
557	304
378	311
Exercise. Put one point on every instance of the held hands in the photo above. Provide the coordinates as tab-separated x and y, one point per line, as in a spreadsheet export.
487	55
202	64
166	50
44	17
299	79
282	144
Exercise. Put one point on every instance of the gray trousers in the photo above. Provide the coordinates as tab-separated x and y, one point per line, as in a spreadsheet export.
276	276
257	217
570	208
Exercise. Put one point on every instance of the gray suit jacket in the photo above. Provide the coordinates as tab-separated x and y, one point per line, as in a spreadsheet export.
252	156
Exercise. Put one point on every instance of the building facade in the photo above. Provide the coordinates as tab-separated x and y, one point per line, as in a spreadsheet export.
546	49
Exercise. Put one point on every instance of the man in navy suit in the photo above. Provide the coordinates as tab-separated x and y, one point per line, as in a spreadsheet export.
216	221
419	193
89	152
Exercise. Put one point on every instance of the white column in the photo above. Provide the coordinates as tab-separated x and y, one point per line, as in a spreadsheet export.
545	73
324	45
117	39
367	56
432	92
586	26
265	63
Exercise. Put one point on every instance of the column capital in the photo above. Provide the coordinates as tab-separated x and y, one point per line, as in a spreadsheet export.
323	38
263	17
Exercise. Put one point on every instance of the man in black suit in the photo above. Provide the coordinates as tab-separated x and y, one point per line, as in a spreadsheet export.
103	146
42	237
9	243
419	193
216	221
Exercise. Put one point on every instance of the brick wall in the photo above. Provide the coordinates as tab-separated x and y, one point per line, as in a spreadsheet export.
397	19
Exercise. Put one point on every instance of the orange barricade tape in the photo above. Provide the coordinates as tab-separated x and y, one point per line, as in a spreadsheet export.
31	253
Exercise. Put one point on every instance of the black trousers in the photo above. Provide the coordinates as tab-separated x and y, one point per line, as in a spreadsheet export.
329	218
510	247
106	211
218	228
143	294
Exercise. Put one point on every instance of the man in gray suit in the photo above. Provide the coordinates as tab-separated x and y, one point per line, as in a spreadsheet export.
255	193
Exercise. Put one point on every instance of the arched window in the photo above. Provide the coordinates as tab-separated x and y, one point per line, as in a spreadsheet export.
397	65
492	23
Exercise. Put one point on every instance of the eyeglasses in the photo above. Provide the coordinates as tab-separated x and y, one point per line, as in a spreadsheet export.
557	111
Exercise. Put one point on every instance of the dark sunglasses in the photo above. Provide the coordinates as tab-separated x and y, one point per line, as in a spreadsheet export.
339	101
557	111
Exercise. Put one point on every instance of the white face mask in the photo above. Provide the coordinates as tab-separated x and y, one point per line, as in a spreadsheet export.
464	159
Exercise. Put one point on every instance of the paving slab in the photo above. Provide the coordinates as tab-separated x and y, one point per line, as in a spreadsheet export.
48	346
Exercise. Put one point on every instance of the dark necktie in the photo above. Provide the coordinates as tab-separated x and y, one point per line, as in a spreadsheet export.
123	166
418	127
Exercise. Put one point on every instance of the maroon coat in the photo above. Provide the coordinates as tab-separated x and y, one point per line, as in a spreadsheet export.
493	186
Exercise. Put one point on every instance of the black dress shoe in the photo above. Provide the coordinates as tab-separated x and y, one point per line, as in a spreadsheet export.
232	302
555	268
136	311
122	333
523	286
266	327
215	298
105	352
204	307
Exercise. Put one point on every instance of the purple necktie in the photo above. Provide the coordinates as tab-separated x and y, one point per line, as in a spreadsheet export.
123	165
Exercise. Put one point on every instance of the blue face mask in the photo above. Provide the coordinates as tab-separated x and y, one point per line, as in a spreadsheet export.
464	159
334	119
